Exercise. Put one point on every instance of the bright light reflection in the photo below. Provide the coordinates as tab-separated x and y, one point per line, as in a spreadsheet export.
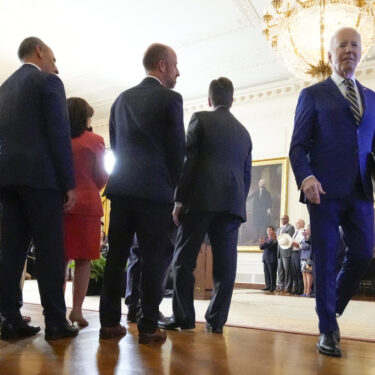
109	161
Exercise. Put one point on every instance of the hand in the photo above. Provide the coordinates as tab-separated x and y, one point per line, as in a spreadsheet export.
176	214
261	241
295	244
312	190
70	200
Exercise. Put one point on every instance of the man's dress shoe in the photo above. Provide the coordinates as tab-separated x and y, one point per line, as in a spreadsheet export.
132	315
10	331
147	338
112	332
329	345
60	332
266	289
170	323
213	329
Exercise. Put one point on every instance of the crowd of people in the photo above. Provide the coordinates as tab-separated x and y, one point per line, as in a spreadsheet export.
51	172
287	252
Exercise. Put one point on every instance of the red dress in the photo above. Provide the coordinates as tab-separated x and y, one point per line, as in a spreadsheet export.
82	223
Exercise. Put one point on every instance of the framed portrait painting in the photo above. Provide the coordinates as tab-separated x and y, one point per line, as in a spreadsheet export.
265	203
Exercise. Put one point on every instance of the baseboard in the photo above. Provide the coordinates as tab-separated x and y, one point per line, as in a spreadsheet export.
248	286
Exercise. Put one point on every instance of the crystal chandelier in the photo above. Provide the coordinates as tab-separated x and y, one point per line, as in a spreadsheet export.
300	31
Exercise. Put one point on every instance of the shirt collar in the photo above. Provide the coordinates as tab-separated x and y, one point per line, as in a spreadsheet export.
221	106
339	79
151	76
29	63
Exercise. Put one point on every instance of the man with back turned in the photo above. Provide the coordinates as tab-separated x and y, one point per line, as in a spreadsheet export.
36	184
148	141
210	198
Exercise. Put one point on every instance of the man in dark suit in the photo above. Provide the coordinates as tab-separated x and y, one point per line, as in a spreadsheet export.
332	139
36	175
284	267
210	198
269	259
148	141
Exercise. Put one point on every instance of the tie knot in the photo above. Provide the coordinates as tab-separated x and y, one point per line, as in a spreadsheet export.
349	82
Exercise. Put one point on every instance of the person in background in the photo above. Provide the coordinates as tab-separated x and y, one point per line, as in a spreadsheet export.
306	262
284	267
297	280
82	224
269	247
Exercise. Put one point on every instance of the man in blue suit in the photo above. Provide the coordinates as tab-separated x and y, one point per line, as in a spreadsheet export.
329	152
36	177
148	140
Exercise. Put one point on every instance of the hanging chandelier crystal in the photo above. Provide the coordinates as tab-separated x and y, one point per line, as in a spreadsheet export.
300	31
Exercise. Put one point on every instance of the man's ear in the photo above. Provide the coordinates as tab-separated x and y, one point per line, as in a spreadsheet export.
162	66
38	52
330	57
209	102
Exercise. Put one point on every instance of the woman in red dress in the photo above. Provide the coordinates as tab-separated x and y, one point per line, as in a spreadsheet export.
82	223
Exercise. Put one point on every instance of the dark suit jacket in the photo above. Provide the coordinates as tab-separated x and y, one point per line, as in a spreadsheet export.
217	170
328	144
148	140
35	143
269	251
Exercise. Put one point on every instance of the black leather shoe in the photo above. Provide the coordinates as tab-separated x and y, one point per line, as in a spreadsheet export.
170	323
266	289
60	332
10	331
329	345
133	314
210	328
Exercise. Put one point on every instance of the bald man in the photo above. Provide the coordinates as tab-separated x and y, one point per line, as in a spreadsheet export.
332	140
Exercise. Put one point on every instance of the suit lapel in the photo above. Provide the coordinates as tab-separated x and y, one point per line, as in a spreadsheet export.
336	93
362	91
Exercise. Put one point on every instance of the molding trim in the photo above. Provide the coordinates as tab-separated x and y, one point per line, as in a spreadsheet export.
247	8
280	88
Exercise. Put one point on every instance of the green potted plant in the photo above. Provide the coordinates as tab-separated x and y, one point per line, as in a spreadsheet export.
96	277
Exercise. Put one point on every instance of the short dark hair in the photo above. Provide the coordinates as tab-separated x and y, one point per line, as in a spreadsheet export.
79	112
271	227
154	53
28	45
221	91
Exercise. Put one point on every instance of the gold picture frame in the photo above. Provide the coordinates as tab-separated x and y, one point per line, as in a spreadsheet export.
275	174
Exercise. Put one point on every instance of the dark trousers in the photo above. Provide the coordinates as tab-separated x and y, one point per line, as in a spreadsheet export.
270	270
356	216
150	220
222	230
133	274
297	280
32	214
284	270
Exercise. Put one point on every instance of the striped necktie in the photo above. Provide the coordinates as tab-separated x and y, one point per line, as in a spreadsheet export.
351	95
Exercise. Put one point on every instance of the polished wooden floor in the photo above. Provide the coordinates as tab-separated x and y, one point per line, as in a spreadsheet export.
238	351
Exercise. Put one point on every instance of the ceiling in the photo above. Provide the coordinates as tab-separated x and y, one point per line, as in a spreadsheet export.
99	44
